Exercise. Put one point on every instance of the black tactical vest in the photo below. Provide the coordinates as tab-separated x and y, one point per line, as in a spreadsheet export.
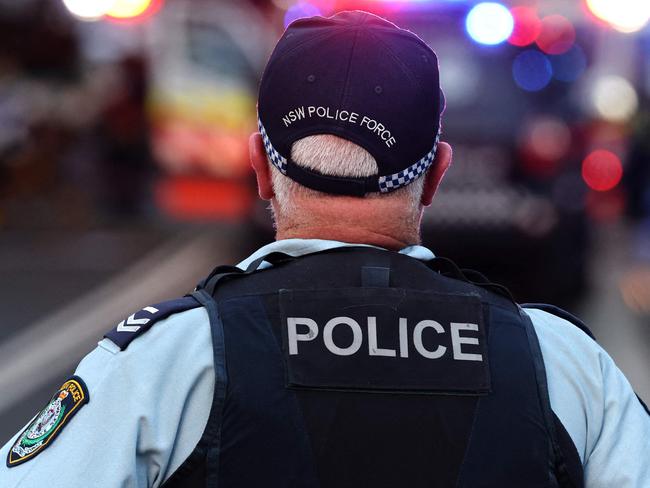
360	367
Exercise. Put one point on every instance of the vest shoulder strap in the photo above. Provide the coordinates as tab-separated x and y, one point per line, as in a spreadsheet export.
138	323
221	273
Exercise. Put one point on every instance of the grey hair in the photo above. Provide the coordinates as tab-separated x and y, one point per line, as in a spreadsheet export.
332	155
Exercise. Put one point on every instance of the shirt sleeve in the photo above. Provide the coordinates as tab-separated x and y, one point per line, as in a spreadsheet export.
147	409
596	404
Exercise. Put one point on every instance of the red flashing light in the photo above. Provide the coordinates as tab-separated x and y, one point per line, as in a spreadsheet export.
602	170
528	26
557	35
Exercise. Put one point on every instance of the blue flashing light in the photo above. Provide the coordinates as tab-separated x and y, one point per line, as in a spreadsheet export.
300	10
489	23
532	70
569	66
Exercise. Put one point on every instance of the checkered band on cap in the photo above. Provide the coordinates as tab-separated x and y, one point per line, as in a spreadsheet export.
392	182
276	158
387	183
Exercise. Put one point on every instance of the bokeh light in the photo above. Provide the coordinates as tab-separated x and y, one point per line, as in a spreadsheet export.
622	15
527	26
489	23
557	35
568	67
532	70
88	9
602	170
300	10
614	98
114	9
126	9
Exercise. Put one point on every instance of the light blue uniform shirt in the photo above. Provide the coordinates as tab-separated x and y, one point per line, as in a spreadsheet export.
150	403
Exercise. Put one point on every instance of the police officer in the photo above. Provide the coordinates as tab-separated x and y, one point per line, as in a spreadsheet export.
344	353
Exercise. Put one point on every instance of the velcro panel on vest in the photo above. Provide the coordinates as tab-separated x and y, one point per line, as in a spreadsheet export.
384	339
128	329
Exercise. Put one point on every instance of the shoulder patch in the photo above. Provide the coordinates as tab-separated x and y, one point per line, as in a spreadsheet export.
563	314
49	422
138	323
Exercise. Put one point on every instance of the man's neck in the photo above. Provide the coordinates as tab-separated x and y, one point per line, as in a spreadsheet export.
374	239
380	222
353	235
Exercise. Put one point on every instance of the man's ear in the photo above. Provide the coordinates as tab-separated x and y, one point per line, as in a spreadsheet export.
260	166
436	173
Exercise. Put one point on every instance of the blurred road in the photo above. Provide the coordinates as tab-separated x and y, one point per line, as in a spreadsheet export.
64	291
42	271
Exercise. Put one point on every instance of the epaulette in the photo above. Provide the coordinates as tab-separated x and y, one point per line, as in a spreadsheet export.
563	314
138	323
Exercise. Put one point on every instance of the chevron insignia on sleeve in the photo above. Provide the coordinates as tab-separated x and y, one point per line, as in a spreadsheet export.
138	323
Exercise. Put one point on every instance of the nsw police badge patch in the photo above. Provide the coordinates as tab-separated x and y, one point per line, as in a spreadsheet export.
42	431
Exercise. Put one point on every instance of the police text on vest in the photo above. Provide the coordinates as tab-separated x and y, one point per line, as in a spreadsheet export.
309	331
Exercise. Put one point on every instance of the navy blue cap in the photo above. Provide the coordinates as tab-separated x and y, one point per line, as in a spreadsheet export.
360	77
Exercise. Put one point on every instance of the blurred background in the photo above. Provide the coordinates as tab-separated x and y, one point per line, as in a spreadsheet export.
124	174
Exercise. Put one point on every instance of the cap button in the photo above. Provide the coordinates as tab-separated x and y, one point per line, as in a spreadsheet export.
311	78
378	90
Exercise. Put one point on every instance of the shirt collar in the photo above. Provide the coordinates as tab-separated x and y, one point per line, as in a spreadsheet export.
300	247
